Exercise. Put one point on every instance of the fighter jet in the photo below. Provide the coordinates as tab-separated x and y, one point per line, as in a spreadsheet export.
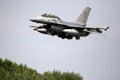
52	25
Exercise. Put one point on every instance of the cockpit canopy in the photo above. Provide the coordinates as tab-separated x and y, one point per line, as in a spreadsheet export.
50	16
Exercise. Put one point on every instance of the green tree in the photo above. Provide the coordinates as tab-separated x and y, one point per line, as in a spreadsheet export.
11	71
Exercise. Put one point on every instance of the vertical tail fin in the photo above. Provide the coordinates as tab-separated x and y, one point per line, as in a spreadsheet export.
82	19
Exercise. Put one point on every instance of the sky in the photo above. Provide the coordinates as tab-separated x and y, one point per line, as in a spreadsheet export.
96	57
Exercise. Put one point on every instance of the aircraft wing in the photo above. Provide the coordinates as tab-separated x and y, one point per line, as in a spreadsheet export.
81	28
96	30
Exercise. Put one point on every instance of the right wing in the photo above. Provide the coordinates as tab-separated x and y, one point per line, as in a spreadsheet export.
96	30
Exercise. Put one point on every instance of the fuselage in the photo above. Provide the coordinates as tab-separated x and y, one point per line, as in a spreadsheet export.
58	29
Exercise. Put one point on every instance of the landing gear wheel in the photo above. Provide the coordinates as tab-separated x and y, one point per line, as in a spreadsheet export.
69	37
77	38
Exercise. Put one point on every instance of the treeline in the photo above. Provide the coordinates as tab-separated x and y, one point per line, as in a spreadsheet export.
11	71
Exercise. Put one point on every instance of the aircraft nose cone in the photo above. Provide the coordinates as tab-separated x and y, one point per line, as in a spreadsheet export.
32	20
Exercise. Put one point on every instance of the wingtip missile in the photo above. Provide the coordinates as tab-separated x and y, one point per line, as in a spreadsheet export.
107	28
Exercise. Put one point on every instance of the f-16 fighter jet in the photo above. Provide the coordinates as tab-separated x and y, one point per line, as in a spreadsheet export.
52	25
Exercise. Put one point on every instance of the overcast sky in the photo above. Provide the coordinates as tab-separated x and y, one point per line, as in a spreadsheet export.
96	57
